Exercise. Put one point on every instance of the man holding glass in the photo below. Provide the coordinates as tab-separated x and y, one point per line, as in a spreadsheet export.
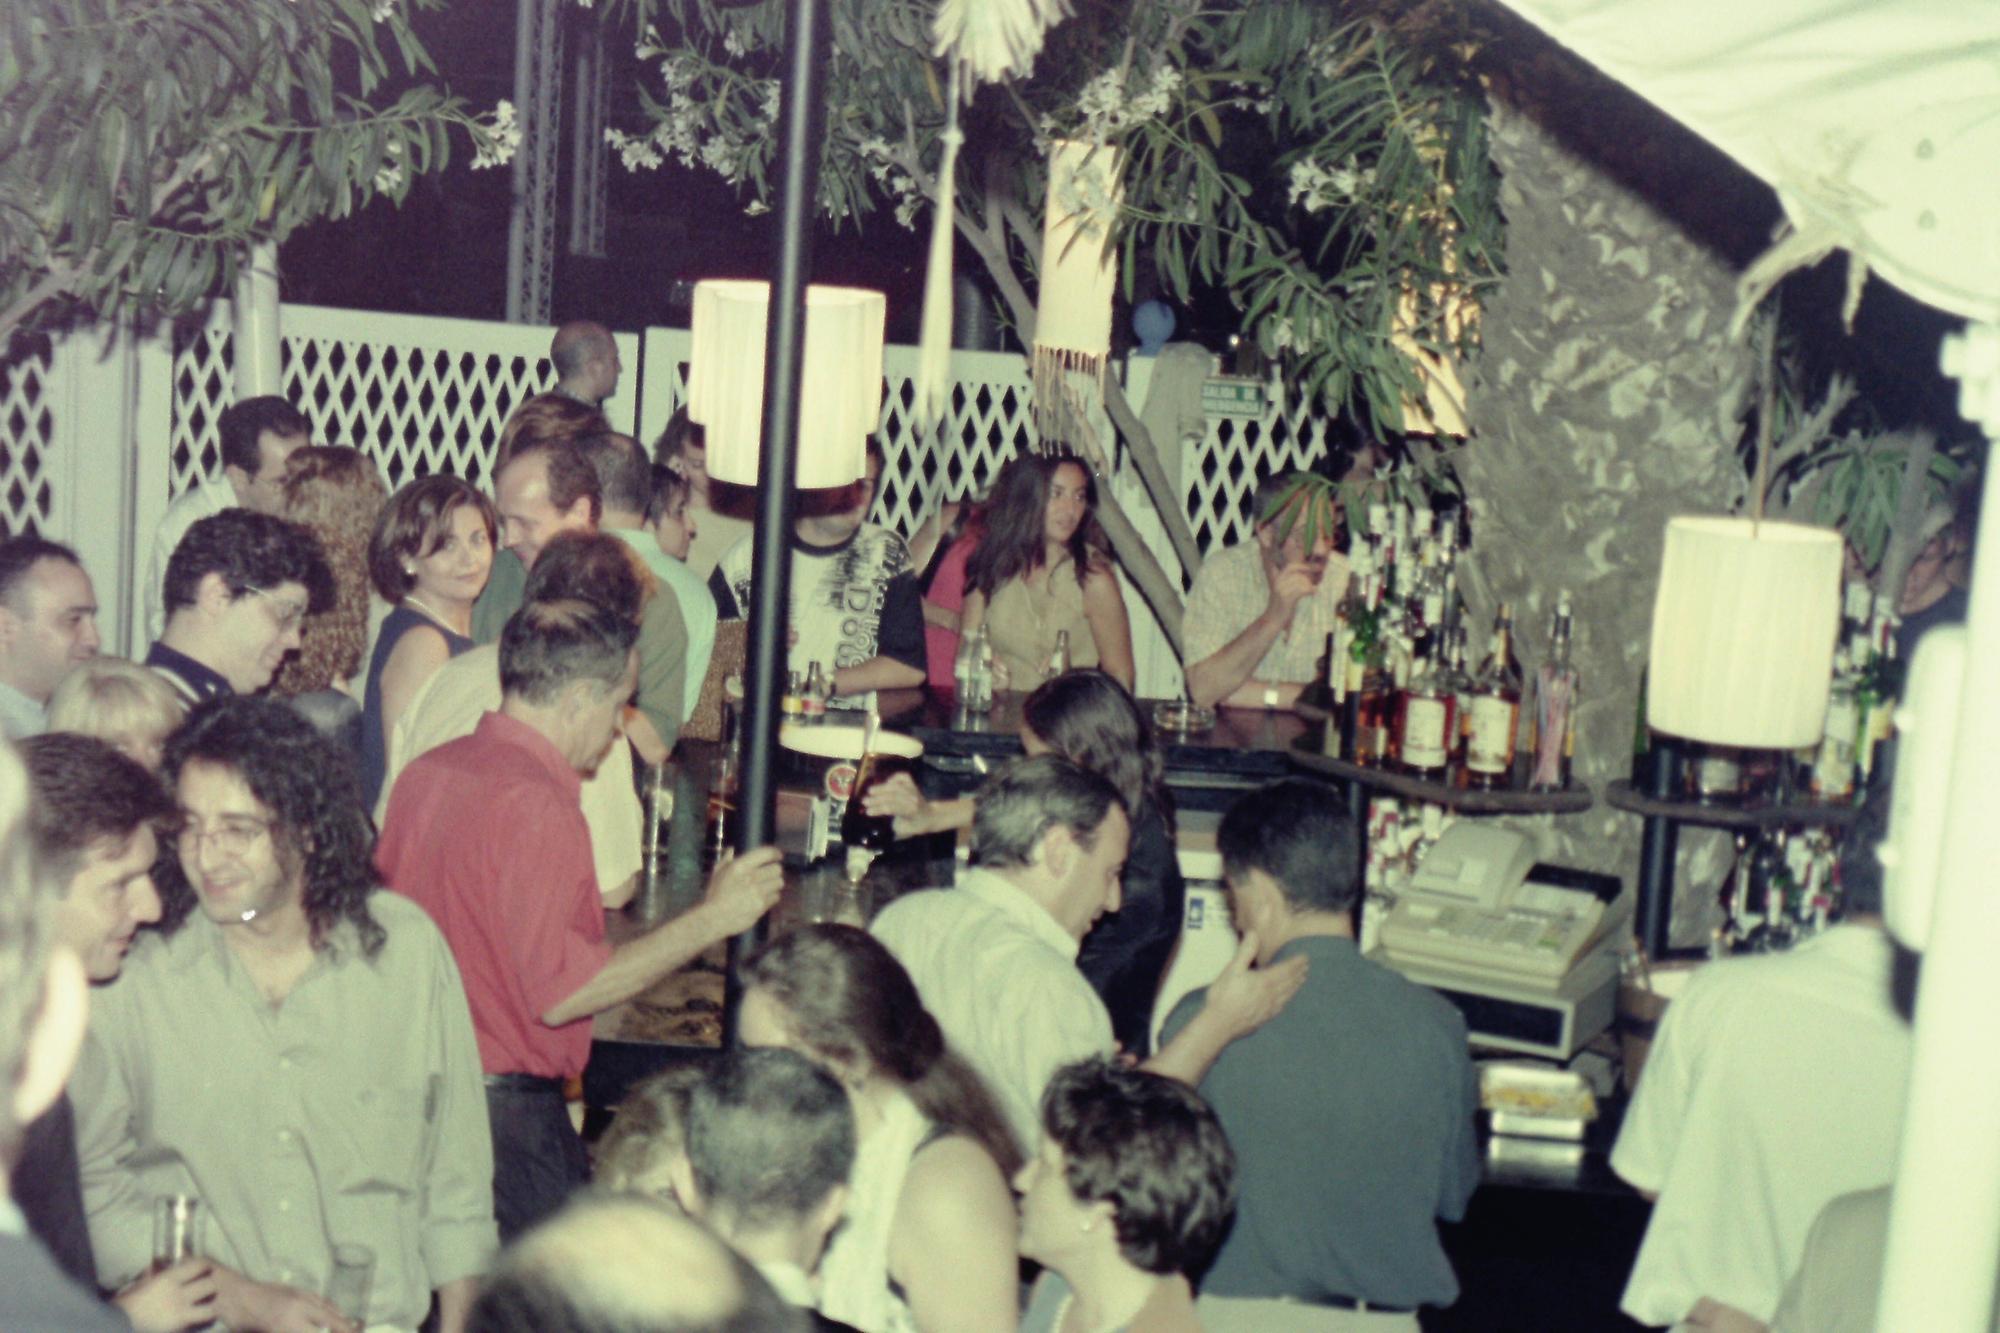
93	821
1260	610
292	1051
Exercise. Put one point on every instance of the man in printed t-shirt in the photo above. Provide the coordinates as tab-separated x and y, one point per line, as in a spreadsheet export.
855	605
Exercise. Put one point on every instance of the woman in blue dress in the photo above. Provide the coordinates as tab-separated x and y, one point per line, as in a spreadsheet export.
430	557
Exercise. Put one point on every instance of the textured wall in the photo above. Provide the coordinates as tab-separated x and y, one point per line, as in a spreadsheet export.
1605	398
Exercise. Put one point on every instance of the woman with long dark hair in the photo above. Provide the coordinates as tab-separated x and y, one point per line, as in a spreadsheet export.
928	1240
1090	720
1044	568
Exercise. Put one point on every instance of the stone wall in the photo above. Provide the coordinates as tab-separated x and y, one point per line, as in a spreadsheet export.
1605	398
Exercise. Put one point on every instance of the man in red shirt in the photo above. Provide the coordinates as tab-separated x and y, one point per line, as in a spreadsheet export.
486	833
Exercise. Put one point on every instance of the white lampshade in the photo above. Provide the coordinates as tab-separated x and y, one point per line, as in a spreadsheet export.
1078	276
840	397
1743	632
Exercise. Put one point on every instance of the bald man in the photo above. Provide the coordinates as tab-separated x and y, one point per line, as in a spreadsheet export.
610	1264
586	361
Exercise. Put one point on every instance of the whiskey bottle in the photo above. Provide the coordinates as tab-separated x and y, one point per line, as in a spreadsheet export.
1426	717
1494	712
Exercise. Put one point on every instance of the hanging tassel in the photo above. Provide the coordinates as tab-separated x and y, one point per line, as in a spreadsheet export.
994	39
1061	376
934	343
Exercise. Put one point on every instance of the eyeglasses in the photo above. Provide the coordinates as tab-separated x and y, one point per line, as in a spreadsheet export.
231	838
284	610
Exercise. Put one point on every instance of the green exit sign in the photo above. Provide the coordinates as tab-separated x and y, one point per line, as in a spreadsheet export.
1232	396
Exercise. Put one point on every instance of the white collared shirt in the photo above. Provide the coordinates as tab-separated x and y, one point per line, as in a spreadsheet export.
999	975
203	500
20	716
1776	1083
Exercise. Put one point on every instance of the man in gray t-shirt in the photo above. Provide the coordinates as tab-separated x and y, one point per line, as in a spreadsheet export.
1351	1112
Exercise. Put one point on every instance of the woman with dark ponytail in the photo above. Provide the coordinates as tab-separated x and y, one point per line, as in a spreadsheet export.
928	1239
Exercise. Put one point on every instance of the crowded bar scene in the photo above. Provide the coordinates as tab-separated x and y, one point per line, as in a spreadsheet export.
972	666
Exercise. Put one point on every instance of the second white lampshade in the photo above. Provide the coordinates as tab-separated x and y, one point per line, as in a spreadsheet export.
840	396
1743	632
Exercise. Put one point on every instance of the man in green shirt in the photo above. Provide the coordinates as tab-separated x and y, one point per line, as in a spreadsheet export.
293	1049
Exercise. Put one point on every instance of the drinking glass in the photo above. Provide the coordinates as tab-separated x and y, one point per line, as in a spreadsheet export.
177	1223
347	1285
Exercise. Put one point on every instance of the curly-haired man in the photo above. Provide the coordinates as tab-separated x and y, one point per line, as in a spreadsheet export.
294	1049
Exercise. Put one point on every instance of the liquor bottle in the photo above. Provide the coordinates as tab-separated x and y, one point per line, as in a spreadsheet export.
962	673
1370	699
974	669
1344	670
1833	763
1494	713
813	696
1426	716
719	827
1459	681
792	703
1059	659
1556	684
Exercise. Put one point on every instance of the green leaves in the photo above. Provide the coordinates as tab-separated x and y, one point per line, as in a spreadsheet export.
144	143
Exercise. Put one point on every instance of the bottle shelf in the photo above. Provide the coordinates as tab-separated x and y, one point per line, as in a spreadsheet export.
1754	813
1309	751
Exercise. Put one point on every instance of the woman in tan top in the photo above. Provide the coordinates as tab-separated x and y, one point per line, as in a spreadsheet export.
1044	568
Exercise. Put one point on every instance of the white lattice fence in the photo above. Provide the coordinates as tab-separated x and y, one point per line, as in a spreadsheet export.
416	395
429	395
1220	474
27	433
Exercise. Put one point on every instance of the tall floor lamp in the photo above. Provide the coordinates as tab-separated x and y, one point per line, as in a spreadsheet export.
808	45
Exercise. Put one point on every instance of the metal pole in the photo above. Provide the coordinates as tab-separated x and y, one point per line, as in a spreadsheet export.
1657	845
808	40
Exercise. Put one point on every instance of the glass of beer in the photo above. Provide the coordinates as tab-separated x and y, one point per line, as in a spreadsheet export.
857	827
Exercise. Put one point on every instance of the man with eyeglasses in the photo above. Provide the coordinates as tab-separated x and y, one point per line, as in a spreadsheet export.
292	1048
237	588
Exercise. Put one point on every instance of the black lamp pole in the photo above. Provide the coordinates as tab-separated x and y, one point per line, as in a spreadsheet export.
808	40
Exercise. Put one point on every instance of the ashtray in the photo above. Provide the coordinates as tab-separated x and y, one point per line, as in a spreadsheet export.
1182	716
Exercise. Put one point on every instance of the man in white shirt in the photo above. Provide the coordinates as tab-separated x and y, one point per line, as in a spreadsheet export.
1259	612
258	437
856	609
994	959
1776	1083
48	624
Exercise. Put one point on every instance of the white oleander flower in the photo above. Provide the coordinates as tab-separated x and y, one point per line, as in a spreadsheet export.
497	138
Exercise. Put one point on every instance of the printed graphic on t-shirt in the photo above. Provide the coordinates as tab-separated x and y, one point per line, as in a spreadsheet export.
837	598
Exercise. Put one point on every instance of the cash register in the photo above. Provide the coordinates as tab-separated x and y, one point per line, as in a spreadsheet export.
1525	950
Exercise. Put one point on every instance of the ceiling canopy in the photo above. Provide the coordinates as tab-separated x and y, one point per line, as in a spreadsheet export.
1876	121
